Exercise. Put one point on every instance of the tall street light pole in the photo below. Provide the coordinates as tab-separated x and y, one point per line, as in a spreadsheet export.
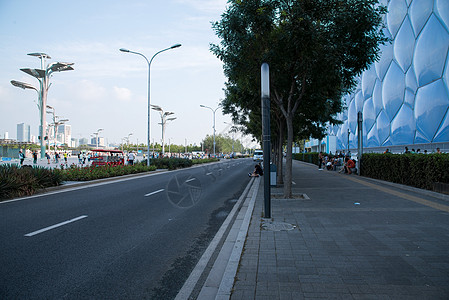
163	123
96	136
149	103
43	76
213	111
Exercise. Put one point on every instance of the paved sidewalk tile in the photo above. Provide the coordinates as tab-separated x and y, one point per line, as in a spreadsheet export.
351	241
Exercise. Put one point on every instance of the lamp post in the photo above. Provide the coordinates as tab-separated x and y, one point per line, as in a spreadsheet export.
96	136
213	111
127	139
43	76
163	123
149	73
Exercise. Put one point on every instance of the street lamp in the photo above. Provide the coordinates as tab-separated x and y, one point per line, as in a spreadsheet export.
96	136
43	76
149	69
213	111
163	123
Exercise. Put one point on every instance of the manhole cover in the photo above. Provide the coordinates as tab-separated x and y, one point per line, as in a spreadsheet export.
277	226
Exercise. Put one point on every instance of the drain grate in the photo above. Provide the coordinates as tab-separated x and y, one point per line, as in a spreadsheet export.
277	226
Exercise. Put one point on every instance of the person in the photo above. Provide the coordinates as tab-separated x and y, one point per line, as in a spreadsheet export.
438	151
350	164
34	157
65	157
57	157
320	160
80	160
48	157
257	171
21	157
406	150
131	158
387	151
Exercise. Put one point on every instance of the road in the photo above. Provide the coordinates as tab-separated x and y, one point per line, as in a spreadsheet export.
137	238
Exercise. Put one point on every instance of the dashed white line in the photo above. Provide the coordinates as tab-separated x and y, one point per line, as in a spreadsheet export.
155	192
191	179
294	183
210	173
55	226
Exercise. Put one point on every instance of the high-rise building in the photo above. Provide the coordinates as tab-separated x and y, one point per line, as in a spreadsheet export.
23	133
64	134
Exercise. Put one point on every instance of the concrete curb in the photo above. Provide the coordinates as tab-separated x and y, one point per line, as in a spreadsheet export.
221	261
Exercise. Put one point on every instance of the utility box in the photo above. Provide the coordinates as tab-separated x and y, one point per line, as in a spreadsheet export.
273	176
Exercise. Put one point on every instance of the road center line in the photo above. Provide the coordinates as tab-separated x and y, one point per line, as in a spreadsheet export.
210	173
155	192
55	226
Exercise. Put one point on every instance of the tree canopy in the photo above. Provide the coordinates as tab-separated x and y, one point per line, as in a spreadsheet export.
315	49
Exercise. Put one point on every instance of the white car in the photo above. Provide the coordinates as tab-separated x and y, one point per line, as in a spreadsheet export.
258	155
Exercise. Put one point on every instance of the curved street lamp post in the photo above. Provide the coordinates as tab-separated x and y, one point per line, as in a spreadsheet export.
149	69
213	111
43	76
163	123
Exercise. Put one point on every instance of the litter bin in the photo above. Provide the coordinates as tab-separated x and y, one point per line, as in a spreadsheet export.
273	176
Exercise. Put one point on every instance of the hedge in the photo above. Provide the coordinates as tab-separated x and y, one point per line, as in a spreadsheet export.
309	157
418	170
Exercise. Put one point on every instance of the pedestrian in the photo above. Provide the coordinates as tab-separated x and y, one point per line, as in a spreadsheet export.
65	157
48	157
34	157
80	159
320	160
21	157
438	151
56	157
131	158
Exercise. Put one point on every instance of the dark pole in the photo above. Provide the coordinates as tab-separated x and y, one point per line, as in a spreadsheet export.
265	87
360	141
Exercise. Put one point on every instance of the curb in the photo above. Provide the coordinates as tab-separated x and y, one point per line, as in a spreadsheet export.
220	263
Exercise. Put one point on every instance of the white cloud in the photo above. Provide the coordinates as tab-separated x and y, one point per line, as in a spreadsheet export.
89	91
123	94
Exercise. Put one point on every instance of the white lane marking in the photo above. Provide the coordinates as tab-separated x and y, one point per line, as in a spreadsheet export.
191	179
210	173
55	226
155	192
294	183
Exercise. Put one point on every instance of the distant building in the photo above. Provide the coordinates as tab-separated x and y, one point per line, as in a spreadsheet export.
101	143
6	137
64	134
83	141
23	133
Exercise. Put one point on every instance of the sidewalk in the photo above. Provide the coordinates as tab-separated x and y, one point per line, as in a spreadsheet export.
348	238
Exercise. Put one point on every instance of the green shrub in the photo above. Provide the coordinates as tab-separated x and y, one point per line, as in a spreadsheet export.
25	181
92	173
171	163
418	170
309	157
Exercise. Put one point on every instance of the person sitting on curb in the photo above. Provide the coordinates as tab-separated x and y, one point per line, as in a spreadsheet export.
257	171
349	165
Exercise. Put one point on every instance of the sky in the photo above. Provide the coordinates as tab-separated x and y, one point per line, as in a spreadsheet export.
108	89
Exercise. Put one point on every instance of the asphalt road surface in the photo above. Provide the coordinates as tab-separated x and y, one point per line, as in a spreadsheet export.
137	238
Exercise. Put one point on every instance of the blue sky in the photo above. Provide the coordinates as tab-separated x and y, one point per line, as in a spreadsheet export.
108	88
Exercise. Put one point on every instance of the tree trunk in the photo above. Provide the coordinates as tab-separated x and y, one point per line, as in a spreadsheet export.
288	162
280	177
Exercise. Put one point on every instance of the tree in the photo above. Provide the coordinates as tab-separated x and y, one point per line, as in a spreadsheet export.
314	48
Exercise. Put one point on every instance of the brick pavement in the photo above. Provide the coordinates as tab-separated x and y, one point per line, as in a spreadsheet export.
354	239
